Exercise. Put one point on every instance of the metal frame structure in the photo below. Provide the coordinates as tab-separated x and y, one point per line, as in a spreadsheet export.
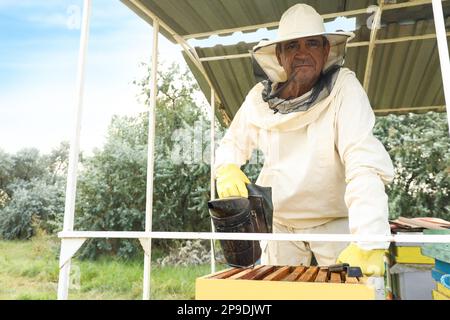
72	240
68	246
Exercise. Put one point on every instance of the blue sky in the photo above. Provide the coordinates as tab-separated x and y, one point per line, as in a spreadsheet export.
38	60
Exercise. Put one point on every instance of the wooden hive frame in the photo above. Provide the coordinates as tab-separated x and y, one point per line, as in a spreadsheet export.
282	282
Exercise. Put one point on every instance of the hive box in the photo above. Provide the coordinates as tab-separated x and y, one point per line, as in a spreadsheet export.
210	287
412	281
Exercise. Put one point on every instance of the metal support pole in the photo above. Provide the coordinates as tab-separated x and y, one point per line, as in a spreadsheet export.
443	52
150	160
71	187
212	152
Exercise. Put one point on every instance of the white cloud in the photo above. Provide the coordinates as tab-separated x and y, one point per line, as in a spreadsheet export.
34	118
29	4
43	13
48	20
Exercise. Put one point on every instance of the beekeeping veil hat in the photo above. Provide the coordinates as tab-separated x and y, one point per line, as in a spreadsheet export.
299	21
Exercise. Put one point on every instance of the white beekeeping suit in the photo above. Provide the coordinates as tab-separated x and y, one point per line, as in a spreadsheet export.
326	169
322	164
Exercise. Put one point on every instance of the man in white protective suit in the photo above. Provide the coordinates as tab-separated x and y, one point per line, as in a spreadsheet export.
313	122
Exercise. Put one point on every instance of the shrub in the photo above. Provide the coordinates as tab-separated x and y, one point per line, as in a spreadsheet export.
34	205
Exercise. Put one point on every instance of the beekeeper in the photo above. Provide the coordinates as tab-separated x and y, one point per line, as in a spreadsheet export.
313	122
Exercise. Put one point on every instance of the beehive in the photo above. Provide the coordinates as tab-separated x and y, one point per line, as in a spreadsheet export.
282	282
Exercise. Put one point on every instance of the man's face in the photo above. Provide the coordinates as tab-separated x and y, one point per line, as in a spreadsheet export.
305	56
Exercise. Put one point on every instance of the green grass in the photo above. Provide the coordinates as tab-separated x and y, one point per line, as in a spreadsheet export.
29	271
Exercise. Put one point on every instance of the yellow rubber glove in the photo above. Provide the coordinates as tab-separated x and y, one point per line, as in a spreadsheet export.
230	181
371	262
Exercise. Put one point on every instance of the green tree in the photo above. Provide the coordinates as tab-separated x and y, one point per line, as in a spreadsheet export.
28	164
6	170
32	192
111	188
112	185
419	147
35	205
57	162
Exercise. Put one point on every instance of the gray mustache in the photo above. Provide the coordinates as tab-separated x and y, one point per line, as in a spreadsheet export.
301	62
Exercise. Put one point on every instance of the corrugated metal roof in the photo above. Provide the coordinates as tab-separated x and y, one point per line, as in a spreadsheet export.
404	75
197	16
